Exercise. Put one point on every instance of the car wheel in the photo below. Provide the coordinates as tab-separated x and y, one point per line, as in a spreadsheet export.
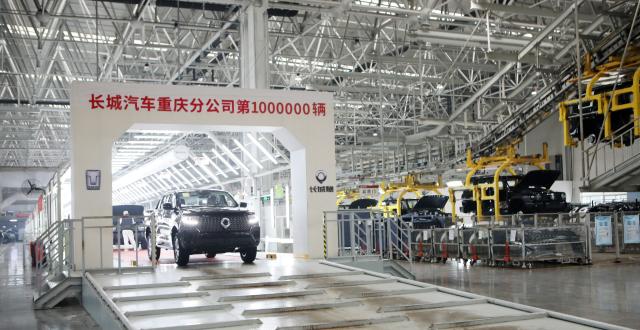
180	254
210	255
144	244
248	255
149	250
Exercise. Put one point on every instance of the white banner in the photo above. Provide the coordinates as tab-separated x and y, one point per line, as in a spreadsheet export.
604	234
631	223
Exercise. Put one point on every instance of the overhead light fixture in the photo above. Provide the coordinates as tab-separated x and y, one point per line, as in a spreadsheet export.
375	134
440	86
253	159
224	161
216	167
454	184
13	220
262	148
234	158
534	92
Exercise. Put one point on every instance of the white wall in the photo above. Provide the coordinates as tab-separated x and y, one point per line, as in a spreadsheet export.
309	138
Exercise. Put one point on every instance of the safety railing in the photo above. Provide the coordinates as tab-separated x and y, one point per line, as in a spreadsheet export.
517	240
359	233
400	235
621	150
53	253
129	243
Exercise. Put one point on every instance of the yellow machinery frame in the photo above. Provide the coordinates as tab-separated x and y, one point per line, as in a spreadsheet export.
602	100
409	185
504	159
343	195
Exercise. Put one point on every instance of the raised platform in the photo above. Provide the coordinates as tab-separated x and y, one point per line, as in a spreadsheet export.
288	293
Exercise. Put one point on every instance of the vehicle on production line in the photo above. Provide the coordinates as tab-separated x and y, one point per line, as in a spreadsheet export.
204	221
134	222
427	212
529	193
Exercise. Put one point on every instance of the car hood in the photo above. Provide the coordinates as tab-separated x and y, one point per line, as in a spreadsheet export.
363	203
431	202
537	178
212	210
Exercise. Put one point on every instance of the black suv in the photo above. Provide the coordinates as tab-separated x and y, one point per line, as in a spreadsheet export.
204	221
427	213
529	194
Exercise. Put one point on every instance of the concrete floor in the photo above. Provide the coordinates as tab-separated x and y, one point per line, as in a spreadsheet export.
605	291
16	297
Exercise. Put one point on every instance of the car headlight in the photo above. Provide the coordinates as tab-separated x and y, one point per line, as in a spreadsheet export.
190	221
252	219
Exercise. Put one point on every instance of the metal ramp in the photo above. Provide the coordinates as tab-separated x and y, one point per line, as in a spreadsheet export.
289	293
57	291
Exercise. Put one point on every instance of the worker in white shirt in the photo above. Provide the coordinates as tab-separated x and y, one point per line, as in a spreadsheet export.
126	226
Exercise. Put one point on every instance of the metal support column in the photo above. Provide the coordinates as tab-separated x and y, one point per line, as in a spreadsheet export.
254	63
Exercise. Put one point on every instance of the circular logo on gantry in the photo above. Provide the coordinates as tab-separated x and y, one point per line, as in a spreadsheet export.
321	176
225	223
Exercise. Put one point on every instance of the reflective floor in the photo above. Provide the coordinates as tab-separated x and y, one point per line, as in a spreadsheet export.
16	311
606	291
287	292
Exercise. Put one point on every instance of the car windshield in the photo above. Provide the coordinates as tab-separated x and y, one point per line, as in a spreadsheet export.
206	198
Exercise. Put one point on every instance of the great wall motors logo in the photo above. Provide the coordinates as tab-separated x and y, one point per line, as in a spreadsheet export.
321	177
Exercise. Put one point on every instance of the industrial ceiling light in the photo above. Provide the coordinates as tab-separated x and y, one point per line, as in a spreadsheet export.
253	159
262	148
234	158
375	133
211	174
224	161
216	167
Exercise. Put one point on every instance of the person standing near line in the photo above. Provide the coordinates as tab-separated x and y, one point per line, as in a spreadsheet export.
126	226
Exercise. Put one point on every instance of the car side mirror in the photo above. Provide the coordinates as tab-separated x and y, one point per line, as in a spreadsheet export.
167	206
243	204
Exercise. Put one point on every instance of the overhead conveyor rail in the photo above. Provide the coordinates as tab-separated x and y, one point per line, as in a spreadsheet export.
527	115
349	297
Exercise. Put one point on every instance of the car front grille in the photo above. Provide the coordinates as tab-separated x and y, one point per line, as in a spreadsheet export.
212	223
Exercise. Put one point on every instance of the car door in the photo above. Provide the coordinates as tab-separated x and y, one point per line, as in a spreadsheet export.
164	222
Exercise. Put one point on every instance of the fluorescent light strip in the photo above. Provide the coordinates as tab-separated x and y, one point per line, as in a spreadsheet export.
170	184
203	177
224	161
160	183
184	169
182	177
234	158
211	174
135	146
177	181
262	148
253	159
216	166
